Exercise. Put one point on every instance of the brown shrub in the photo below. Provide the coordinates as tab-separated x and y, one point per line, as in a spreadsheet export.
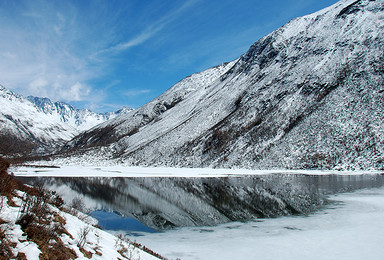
5	245
7	182
86	253
26	220
83	234
48	240
59	219
56	200
21	256
41	235
56	251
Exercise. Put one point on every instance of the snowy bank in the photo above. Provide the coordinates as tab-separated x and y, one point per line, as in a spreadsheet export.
123	171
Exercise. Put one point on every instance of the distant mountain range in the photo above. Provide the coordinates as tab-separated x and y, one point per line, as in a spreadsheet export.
308	95
80	119
36	125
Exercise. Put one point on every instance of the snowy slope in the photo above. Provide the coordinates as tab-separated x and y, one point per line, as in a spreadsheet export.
157	117
38	125
99	243
308	95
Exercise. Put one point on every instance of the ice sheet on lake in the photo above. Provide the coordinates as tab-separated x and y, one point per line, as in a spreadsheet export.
352	228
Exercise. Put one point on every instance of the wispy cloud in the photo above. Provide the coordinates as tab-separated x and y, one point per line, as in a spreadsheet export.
152	29
43	52
136	92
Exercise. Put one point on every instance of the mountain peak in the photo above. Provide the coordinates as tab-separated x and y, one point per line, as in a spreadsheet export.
81	119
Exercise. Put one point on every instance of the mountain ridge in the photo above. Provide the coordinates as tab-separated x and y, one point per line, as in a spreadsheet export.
308	95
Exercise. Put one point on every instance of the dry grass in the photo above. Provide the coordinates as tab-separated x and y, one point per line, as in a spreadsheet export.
47	238
7	186
21	256
5	245
59	219
38	224
126	251
2	221
86	253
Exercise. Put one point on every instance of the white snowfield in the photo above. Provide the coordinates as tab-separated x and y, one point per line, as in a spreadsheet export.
123	171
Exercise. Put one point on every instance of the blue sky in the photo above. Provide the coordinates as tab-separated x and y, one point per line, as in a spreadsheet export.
107	54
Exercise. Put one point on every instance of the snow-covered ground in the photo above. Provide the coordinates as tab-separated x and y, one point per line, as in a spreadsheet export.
122	171
352	228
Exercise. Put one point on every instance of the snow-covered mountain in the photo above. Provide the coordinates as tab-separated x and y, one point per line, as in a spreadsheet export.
38	125
81	119
308	95
171	105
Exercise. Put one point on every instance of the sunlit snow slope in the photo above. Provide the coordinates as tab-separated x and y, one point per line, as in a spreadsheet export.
308	95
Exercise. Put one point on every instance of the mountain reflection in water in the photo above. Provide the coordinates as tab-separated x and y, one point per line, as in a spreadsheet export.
163	203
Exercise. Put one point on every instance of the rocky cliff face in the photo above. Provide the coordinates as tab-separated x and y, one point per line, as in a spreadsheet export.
308	95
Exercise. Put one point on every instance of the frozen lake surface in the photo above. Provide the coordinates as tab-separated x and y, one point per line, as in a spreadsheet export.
231	214
352	228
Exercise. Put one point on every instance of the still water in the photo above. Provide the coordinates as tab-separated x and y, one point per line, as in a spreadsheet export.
146	205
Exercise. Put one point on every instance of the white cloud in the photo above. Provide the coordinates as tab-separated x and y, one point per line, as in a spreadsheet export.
59	25
56	90
152	29
77	92
135	41
39	85
136	92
